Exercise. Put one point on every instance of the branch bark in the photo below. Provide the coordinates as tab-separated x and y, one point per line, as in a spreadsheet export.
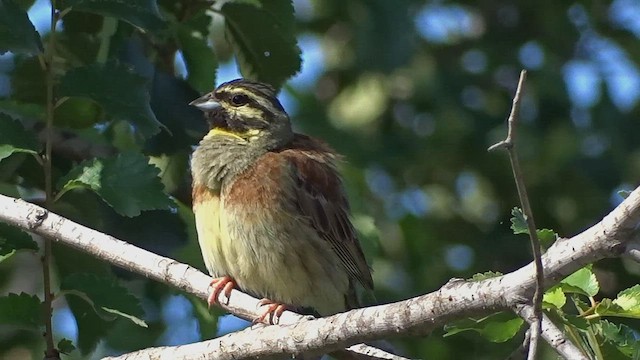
297	334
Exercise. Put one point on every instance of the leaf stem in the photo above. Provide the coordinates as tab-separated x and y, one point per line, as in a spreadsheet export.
51	352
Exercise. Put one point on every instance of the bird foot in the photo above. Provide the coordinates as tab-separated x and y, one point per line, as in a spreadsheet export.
271	314
222	284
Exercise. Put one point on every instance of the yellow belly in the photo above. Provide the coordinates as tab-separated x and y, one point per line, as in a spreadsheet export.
286	262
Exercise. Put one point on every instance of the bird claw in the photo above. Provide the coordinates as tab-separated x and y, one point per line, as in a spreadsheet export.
272	312
222	284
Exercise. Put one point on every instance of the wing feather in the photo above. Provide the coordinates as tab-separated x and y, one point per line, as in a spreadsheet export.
319	195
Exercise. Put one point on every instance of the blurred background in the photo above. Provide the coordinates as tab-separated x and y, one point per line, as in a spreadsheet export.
412	93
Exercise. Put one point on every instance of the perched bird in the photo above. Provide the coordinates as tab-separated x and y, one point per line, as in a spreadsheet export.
270	209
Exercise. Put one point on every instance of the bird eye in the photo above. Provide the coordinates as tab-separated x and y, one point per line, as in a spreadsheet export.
239	100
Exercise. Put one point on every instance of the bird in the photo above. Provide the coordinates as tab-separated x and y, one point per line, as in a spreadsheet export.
271	212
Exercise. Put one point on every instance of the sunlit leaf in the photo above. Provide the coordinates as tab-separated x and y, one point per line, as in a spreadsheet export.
554	297
582	282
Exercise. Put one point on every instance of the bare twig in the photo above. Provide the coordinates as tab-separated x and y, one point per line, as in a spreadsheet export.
418	315
510	145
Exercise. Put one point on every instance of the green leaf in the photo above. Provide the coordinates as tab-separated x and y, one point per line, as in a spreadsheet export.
199	58
108	298
498	327
621	336
582	282
20	110
14	138
12	240
22	310
621	307
554	297
17	33
547	237
485	275
126	182
140	13
122	93
263	39
629	299
518	222
65	346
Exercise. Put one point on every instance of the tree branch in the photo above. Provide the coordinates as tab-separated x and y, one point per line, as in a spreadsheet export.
551	333
417	316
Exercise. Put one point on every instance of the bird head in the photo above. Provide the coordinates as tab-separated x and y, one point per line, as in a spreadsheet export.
246	111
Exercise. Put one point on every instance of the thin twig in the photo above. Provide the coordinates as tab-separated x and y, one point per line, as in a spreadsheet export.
51	351
510	145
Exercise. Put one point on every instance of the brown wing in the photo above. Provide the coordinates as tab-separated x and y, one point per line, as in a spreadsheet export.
320	196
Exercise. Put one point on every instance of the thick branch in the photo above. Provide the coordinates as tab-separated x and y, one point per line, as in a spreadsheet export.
418	315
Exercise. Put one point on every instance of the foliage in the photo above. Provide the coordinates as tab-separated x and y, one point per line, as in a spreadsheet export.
582	321
411	92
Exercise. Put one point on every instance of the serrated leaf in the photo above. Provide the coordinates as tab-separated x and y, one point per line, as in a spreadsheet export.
518	222
498	327
17	33
608	307
263	39
65	346
14	138
621	336
554	297
582	282
126	182
485	275
22	310
140	13
199	58
13	239
122	93
108	298
629	299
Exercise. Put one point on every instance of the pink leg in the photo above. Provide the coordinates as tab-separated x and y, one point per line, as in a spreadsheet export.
272	313
218	285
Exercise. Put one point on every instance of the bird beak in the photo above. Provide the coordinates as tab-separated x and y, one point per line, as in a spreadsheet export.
206	102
